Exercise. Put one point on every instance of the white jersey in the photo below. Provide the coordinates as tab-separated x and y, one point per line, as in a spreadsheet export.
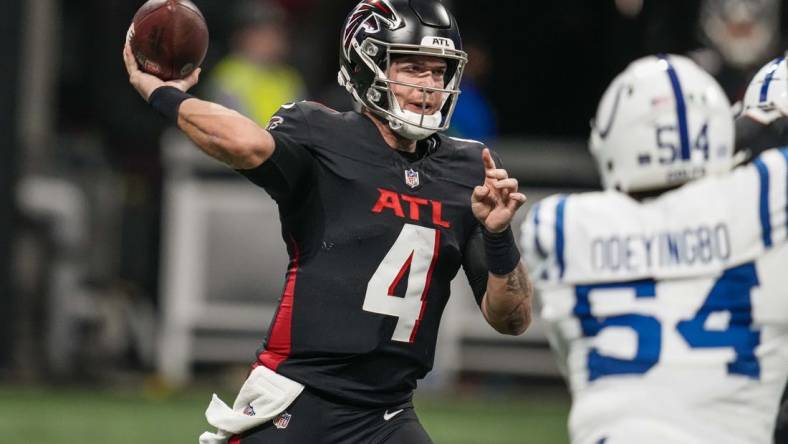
670	317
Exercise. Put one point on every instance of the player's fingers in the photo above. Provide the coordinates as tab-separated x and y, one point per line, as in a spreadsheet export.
509	184
481	209
191	80
520	197
128	58
480	192
485	196
498	174
130	32
516	200
482	215
489	163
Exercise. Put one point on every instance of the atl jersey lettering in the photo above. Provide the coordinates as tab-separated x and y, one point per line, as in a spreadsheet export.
670	317
374	242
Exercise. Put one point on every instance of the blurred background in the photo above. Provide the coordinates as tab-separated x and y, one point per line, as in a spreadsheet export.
130	288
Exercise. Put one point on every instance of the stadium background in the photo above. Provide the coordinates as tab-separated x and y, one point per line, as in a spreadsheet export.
89	224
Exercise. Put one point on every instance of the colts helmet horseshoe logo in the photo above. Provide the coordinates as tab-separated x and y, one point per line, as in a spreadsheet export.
370	15
604	132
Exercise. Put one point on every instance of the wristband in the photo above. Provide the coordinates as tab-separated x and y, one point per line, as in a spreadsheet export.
501	251
167	101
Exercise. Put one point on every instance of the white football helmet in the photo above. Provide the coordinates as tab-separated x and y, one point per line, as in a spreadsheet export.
766	98
662	122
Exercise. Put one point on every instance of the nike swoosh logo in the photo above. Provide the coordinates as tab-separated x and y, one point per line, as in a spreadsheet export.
603	132
387	416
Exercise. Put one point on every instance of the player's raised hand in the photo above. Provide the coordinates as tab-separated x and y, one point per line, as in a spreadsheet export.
146	83
495	202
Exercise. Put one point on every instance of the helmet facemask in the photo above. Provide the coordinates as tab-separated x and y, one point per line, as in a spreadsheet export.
379	97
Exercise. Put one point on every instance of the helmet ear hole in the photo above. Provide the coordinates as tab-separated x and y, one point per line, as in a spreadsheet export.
373	95
610	166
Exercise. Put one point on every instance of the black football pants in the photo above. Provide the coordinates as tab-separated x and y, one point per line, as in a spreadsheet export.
314	420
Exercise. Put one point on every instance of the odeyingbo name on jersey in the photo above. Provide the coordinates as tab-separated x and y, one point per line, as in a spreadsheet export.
676	248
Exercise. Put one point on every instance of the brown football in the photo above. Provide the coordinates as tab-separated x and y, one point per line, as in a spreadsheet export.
169	38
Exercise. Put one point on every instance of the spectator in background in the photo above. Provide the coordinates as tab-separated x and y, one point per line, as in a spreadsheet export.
474	117
741	35
254	78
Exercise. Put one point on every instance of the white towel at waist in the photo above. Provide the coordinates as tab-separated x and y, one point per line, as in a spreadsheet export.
264	395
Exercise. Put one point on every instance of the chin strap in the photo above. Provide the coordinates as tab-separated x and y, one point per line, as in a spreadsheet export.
409	131
405	124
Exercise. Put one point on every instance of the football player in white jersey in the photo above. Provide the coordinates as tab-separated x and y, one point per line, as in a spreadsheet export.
666	295
763	124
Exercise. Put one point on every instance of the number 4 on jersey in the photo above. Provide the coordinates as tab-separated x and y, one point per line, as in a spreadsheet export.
730	294
414	252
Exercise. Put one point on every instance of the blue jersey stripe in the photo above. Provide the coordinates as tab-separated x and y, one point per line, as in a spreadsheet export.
784	152
681	108
766	224
769	77
537	242
559	235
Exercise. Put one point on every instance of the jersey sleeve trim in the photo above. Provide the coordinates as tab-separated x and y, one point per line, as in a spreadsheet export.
533	254
772	171
559	236
540	238
766	225
537	240
771	178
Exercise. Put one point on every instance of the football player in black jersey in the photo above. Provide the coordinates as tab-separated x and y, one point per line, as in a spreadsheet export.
378	210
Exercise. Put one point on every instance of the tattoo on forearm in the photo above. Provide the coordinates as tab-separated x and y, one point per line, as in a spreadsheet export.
514	281
518	289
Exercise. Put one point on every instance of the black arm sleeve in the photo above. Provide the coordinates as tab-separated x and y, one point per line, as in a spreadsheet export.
757	137
289	171
474	263
474	259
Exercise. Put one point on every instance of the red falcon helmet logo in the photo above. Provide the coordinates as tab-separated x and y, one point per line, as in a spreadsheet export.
370	14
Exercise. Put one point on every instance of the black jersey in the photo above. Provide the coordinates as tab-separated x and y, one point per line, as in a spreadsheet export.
374	241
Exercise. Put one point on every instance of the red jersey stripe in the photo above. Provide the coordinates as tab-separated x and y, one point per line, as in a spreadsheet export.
279	344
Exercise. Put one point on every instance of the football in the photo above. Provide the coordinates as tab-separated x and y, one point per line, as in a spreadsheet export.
169	38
